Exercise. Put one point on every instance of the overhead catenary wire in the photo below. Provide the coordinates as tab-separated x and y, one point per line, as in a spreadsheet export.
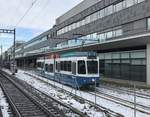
37	15
25	13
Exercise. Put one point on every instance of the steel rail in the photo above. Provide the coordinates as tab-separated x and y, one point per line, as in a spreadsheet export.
25	93
108	112
143	109
46	96
130	92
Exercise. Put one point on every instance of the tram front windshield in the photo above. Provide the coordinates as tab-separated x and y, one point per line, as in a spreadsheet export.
92	67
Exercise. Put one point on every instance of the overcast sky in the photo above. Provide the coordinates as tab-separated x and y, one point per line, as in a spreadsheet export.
39	19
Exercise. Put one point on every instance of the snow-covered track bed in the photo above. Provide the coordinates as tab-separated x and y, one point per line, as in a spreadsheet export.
26	101
107	112
126	91
122	101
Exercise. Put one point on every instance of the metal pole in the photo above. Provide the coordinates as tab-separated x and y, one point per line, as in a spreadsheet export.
1	56
95	91
55	69
24	64
14	51
134	100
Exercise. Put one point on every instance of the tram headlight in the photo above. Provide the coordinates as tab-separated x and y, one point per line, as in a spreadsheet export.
93	80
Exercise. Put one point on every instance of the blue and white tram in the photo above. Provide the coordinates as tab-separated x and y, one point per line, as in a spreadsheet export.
73	70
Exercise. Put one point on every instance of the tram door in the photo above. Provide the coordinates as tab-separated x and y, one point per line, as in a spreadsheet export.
73	68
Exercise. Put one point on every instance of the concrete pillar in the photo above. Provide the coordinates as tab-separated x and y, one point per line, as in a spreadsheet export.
148	63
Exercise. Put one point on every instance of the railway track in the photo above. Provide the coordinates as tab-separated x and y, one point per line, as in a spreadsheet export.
108	112
130	92
26	101
127	103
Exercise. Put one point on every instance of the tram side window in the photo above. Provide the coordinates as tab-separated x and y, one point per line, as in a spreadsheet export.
65	65
73	68
38	64
42	64
81	67
92	67
62	65
69	66
46	67
56	65
51	68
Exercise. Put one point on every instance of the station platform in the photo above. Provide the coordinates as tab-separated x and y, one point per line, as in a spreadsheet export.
125	83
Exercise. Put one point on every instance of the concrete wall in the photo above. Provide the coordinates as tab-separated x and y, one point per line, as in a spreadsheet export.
125	18
148	64
77	9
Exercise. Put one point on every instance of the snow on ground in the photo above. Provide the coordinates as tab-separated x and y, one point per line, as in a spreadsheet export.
126	96
86	108
131	88
127	112
3	104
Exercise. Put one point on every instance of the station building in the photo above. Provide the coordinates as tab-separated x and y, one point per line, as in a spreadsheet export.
118	30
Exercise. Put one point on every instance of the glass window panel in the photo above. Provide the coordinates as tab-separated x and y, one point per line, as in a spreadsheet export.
69	28
102	37
102	13
123	4
83	22
99	16
140	54
143	62
116	61
125	61
81	67
118	32
92	67
109	10
148	23
65	29
109	34
78	24
101	56
129	3
74	25
125	55
108	55
136	62
116	55
118	7
94	16
91	18
86	20
94	36
140	1
108	61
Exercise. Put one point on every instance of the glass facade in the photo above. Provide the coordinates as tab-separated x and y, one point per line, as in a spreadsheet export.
129	65
92	38
100	14
148	22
